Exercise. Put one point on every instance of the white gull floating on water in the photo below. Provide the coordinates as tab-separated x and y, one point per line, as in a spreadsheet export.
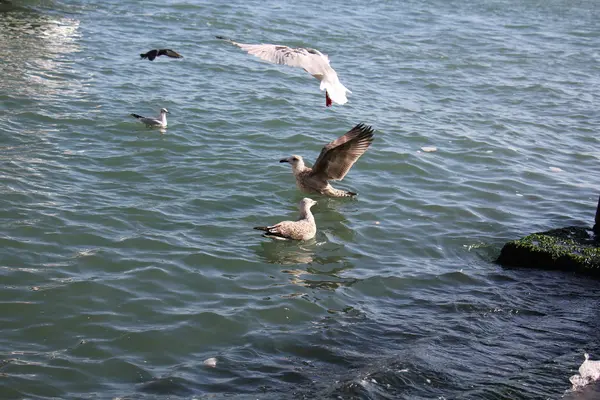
302	229
333	163
161	121
312	61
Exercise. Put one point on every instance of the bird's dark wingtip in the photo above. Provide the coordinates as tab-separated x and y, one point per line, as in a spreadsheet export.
365	130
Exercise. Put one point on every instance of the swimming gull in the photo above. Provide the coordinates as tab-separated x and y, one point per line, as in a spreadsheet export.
302	229
152	54
312	61
161	121
333	163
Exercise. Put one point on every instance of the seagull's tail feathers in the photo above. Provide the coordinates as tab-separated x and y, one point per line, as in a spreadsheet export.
137	116
343	193
270	232
333	192
335	92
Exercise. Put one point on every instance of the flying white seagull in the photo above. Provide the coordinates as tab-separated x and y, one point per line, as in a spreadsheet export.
333	163
160	122
312	61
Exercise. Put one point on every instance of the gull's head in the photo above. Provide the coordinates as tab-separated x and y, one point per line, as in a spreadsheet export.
306	203
297	163
164	111
294	160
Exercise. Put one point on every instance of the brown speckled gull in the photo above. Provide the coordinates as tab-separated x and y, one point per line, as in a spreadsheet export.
333	163
302	229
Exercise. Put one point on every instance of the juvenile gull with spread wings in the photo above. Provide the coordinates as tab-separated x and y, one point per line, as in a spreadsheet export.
161	121
312	61
333	163
302	229
152	54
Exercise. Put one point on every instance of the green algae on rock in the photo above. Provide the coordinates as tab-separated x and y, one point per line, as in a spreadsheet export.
572	248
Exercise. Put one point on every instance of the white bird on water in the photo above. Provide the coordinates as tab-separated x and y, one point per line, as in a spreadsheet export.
302	229
334	162
160	122
312	61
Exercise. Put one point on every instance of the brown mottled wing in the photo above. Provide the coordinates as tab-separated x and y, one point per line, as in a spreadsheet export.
337	157
284	230
169	53
311	60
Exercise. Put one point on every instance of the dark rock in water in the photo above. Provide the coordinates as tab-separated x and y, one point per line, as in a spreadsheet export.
571	249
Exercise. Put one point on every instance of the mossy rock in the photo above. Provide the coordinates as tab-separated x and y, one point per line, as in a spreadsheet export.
571	249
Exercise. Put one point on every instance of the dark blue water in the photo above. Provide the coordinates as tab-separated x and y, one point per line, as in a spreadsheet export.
127	256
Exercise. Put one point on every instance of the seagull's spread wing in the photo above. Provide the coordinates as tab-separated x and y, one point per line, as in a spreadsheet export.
169	53
311	60
337	157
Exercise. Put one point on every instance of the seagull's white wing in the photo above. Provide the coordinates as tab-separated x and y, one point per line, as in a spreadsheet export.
312	61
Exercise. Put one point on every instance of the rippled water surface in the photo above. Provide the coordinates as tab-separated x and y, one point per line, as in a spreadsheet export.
127	256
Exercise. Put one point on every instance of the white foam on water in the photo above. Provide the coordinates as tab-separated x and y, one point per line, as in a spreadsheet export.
210	362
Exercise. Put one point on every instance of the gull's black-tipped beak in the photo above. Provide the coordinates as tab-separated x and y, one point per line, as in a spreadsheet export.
284	160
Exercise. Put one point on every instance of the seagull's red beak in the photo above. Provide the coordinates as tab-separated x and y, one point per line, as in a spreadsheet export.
328	101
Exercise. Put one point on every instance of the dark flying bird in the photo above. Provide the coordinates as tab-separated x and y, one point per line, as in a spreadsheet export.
152	54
